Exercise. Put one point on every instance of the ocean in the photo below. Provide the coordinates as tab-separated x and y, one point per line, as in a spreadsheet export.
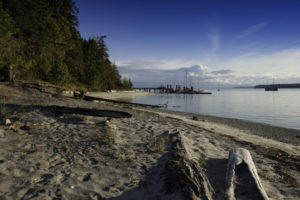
278	108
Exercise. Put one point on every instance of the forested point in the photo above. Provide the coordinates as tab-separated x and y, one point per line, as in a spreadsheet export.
39	40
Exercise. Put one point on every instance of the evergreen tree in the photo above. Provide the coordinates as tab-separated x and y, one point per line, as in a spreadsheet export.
39	40
130	84
126	84
74	59
45	28
10	59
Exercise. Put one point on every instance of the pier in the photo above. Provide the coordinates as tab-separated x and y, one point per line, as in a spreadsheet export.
169	89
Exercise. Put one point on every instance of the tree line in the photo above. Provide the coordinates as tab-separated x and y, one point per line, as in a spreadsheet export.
39	40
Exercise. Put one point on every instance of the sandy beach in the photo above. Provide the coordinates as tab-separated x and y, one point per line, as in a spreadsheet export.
47	154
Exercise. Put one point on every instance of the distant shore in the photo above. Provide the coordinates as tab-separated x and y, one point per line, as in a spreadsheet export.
292	85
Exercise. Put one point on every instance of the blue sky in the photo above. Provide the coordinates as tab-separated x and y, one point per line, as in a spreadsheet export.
151	41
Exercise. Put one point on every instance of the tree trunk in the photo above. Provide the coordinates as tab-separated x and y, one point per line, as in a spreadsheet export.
10	74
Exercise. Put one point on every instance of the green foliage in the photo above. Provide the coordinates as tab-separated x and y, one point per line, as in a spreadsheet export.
39	40
9	46
127	83
99	72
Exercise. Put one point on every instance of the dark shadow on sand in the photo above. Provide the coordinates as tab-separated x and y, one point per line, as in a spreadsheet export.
216	171
57	111
151	187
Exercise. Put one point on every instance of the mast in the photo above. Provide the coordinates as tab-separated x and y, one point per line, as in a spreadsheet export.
186	78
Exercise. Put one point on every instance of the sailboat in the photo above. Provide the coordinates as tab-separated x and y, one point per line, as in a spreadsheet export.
271	87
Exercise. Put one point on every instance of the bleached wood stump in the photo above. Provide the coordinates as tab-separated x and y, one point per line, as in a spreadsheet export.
242	180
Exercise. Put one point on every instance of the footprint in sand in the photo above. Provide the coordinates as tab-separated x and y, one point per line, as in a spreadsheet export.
212	142
87	177
93	161
31	193
95	195
45	178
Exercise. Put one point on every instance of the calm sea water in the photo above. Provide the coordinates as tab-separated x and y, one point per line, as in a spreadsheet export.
281	108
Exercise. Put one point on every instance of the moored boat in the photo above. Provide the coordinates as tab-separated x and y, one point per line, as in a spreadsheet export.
271	88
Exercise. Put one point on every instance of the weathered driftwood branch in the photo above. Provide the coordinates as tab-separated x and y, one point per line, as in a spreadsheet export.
184	174
242	180
90	98
41	87
92	112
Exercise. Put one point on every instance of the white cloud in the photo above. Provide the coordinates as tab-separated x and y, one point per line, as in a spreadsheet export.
247	69
284	64
156	64
155	77
251	30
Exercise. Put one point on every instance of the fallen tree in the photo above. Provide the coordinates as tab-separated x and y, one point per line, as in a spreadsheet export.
90	98
60	110
185	175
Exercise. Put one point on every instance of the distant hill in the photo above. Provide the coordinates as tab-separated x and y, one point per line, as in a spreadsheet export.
292	85
242	87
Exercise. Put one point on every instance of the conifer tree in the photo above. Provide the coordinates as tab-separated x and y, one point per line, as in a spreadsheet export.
39	40
10	59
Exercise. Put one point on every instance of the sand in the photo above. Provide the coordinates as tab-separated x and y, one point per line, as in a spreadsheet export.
48	156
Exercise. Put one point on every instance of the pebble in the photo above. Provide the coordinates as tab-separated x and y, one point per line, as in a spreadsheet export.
7	122
195	118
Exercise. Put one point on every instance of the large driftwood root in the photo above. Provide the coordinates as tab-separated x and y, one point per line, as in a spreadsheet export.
242	180
184	175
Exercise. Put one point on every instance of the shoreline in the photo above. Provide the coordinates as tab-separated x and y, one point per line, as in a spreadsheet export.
285	120
54	148
281	134
269	131
278	136
119	95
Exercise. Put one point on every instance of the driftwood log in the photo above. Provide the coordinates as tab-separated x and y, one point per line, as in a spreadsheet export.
90	98
242	180
41	87
60	110
185	175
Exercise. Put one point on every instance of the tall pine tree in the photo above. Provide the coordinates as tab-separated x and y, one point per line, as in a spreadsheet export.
39	40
